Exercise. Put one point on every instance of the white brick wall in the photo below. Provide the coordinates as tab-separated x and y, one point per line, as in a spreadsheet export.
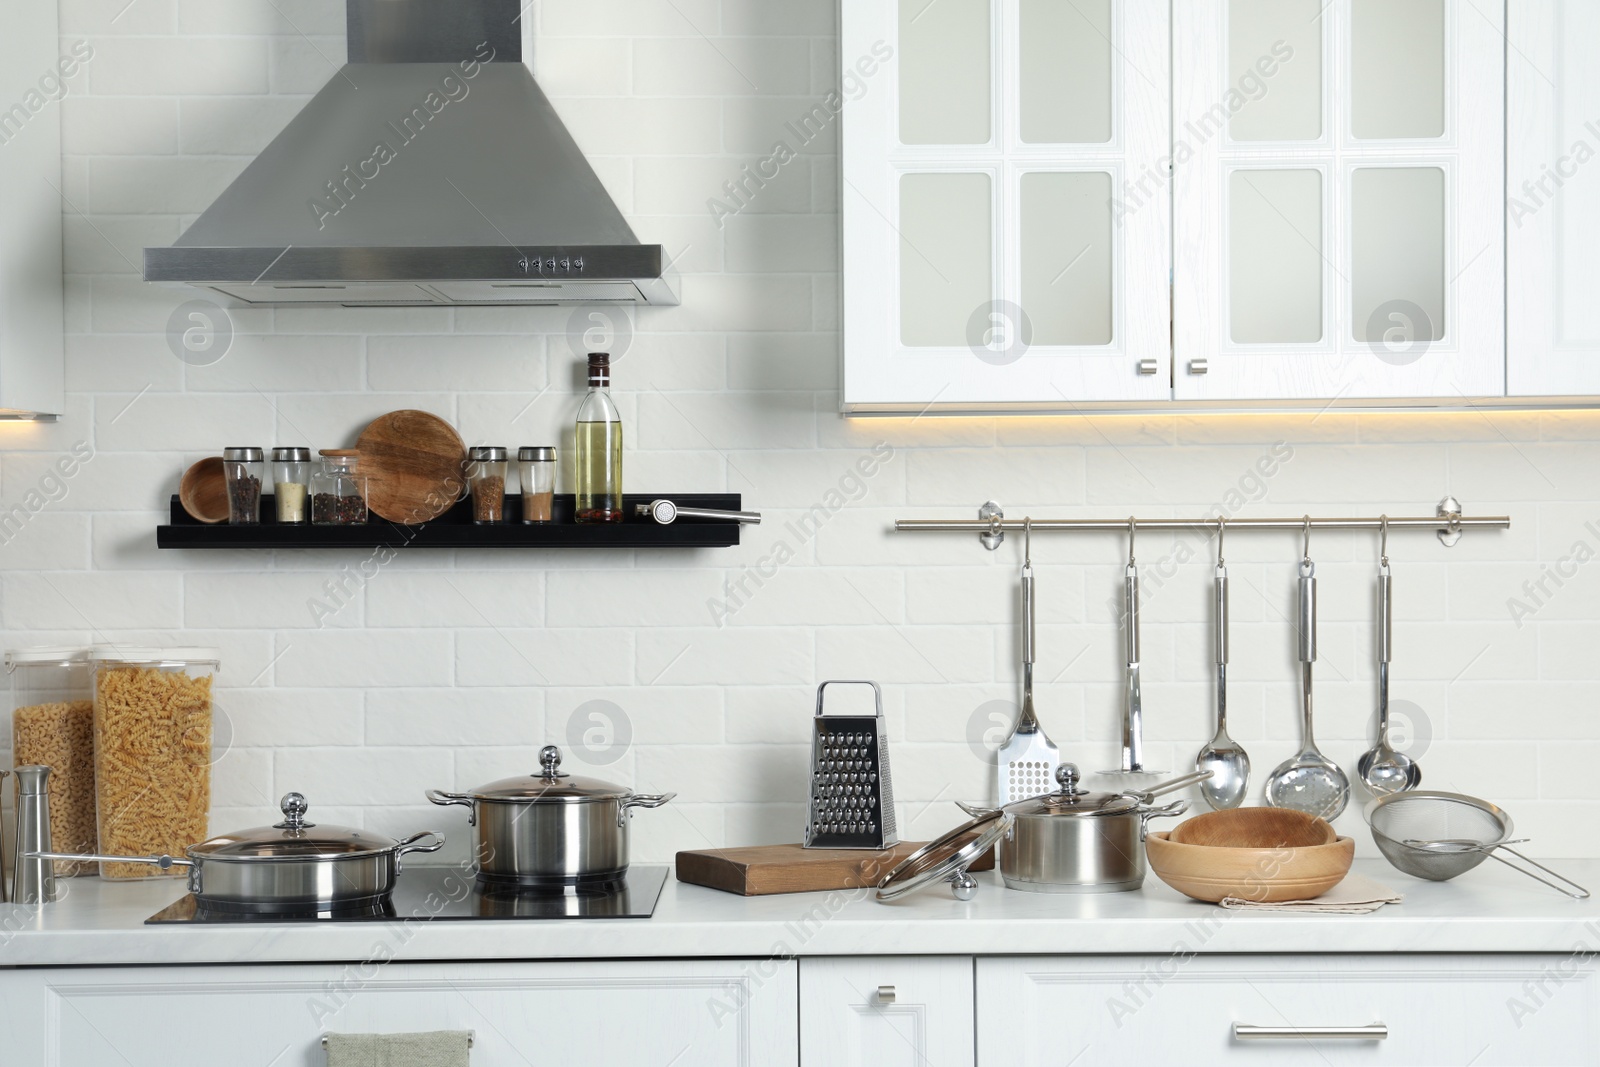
449	669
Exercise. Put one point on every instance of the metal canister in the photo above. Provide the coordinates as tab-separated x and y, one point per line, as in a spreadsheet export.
35	879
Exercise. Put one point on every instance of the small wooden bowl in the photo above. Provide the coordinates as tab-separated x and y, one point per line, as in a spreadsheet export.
1258	854
203	492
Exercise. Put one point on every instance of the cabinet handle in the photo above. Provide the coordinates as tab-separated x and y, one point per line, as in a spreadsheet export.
1244	1032
1198	366
886	994
1148	366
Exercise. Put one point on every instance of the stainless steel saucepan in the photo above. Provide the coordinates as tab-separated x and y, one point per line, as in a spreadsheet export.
550	828
293	865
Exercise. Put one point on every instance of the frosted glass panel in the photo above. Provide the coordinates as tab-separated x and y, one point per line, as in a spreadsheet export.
1275	65
1397	68
1397	268
1066	71
1577	205
945	222
944	71
1066	257
1275	256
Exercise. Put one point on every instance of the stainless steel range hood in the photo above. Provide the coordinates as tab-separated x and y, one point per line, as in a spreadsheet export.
431	170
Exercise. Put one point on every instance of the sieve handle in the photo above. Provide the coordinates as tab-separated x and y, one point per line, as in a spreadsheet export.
1581	894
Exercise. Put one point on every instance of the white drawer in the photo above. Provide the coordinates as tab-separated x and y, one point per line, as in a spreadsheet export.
886	1011
728	1012
1480	1010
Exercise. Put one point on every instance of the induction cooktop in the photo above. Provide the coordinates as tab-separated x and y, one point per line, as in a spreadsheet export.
441	894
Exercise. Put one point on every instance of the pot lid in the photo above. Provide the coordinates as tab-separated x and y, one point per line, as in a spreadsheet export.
550	784
294	839
1070	799
946	858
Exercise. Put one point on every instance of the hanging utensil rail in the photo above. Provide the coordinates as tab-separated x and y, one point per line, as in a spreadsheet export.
1448	522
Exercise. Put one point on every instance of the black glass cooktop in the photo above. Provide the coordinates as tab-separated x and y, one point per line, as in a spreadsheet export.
444	893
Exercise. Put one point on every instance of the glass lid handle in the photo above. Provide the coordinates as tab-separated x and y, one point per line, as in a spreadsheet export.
294	808
1067	779
550	760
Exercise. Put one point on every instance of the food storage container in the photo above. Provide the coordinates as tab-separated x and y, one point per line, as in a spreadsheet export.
52	725
487	476
338	490
538	463
152	752
243	468
291	484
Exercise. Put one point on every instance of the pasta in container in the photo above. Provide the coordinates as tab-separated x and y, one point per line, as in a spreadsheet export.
152	753
52	725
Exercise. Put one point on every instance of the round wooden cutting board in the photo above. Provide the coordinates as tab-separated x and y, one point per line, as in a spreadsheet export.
415	465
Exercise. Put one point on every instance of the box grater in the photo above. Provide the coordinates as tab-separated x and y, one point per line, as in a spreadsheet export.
852	800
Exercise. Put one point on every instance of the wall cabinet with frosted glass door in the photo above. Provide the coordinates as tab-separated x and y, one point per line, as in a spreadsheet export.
1337	199
1553	198
1005	212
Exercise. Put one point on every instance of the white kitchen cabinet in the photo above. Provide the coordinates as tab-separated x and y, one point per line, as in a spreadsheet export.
1337	200
886	1011
1182	1008
1553	198
1005	213
606	1014
33	71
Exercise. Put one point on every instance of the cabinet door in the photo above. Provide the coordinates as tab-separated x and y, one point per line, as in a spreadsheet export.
1553	198
1337	205
1005	203
1189	1009
865	1011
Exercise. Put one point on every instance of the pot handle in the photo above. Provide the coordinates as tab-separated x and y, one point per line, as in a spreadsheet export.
435	841
462	800
640	800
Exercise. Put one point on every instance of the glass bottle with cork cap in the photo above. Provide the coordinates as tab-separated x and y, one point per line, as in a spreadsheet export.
597	448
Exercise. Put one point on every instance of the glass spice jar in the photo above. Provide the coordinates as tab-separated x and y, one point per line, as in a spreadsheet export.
242	469
487	478
291	484
338	492
538	469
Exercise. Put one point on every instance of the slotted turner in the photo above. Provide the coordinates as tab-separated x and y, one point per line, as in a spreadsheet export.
1028	760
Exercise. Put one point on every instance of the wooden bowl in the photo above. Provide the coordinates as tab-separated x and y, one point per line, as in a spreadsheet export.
1259	854
203	492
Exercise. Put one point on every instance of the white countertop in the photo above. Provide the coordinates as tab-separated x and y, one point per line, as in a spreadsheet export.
1490	909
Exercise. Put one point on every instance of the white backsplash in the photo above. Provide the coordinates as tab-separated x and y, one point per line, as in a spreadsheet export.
361	679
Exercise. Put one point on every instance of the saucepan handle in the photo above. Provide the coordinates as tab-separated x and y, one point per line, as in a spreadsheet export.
460	800
426	841
641	800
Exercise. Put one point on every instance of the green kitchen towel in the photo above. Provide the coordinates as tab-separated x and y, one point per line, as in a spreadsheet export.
441	1048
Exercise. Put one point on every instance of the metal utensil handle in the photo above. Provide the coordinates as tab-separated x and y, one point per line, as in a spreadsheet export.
1308	612
751	517
166	863
1027	614
1245	1032
877	694
1130	602
1494	854
1385	615
1222	616
1175	784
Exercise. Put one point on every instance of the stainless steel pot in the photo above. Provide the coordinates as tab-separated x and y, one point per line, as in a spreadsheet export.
551	828
1075	841
293	865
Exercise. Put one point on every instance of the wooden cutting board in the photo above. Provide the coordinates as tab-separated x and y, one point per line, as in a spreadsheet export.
758	870
415	464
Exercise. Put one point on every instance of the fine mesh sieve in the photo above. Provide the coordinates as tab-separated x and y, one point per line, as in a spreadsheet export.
1440	835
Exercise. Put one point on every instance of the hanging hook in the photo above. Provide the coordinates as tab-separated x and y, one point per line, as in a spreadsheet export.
1383	541
1133	529
1222	529
1305	551
1027	541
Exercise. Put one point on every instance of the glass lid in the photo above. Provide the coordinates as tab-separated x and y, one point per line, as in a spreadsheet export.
550	784
294	838
946	858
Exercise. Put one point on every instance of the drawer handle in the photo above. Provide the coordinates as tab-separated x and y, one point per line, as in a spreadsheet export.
886	994
1375	1032
472	1039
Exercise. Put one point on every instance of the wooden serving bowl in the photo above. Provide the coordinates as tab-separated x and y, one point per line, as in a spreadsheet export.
203	491
1259	854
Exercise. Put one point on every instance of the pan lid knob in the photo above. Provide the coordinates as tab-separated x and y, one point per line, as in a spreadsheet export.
294	808
550	760
1067	779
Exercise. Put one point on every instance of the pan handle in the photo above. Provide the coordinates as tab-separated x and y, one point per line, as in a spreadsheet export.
166	863
460	800
435	841
1175	784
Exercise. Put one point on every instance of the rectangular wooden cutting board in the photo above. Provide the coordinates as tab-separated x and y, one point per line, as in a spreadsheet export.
758	870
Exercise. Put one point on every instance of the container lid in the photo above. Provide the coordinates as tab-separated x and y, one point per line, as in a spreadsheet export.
940	858
1072	800
291	454
241	453
46	656
339	452
529	453
152	654
294	839
487	453
550	784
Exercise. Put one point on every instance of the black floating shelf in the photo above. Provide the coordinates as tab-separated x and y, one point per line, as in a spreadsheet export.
455	529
